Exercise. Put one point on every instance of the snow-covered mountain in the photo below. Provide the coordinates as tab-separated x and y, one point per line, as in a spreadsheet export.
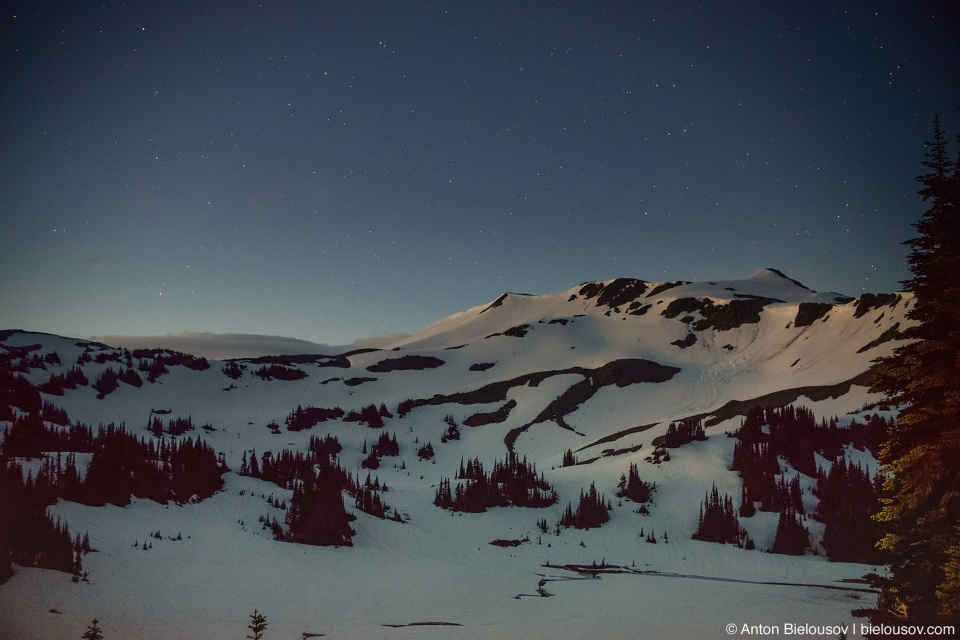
600	371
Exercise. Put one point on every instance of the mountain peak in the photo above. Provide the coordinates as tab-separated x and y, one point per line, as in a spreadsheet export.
770	274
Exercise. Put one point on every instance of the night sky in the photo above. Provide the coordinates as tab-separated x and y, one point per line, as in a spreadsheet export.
335	170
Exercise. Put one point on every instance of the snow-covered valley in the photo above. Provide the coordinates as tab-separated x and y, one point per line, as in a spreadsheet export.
599	372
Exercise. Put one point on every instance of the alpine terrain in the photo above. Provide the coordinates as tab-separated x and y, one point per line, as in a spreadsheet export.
624	459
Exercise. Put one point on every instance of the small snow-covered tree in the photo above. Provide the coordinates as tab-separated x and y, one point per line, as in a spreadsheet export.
258	624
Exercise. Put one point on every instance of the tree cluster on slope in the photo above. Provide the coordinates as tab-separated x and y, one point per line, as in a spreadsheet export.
849	498
371	415
684	432
591	512
794	434
29	536
452	432
283	468
792	538
367	498
633	488
232	370
318	483
122	464
846	501
58	383
279	372
308	417
175	426
160	358
511	482
317	514
19	359
386	446
718	521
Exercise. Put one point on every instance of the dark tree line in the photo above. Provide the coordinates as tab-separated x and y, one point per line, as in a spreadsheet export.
285	467
175	426
308	417
849	498
58	383
513	482
683	432
160	359
109	381
279	372
122	464
52	413
19	360
794	434
17	392
29	536
369	415
28	437
847	502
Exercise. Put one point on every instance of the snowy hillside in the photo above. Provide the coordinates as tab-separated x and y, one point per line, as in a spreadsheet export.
598	373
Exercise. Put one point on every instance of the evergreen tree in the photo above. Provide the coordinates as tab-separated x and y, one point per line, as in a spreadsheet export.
792	538
922	506
258	624
93	632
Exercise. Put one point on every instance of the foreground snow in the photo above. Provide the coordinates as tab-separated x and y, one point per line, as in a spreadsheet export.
207	584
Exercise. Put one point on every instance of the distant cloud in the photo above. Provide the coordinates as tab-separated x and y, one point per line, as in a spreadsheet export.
379	342
222	346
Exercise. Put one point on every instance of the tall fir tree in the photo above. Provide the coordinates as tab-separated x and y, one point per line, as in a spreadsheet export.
922	503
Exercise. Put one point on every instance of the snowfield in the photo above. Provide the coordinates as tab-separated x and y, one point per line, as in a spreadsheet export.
214	563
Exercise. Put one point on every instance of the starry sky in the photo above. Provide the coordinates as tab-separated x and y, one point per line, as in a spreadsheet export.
336	170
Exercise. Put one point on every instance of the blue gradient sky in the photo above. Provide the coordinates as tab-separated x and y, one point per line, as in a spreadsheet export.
330	171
